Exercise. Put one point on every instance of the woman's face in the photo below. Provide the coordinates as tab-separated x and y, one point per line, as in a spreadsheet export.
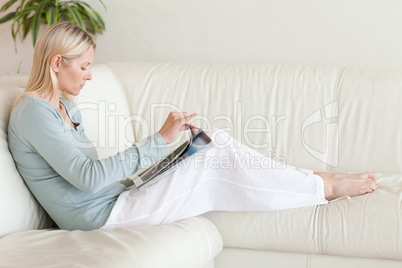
72	75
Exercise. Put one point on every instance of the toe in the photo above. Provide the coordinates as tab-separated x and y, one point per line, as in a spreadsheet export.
365	175
372	176
373	186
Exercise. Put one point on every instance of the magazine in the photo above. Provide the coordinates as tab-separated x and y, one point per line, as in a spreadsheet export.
151	174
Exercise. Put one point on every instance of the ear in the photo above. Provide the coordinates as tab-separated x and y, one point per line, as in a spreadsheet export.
55	63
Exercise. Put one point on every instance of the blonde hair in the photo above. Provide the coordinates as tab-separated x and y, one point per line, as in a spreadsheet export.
63	38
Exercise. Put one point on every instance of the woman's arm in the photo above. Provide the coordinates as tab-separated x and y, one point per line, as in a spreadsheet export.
44	129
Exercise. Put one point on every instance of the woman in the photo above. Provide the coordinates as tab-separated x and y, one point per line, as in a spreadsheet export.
81	192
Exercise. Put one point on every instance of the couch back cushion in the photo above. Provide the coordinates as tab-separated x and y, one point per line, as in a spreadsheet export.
370	121
105	112
263	106
318	118
18	208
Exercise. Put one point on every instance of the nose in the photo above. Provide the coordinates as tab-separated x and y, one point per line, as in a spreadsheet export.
89	76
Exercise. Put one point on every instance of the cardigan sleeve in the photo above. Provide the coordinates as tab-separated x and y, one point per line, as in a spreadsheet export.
45	131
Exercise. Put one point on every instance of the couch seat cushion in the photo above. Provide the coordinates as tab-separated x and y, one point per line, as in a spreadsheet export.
364	226
192	242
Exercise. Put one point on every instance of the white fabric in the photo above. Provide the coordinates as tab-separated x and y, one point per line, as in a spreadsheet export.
227	177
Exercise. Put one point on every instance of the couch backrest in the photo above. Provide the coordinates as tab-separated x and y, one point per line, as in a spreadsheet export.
18	208
336	119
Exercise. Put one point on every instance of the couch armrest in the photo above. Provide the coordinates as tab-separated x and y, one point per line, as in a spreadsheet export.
192	242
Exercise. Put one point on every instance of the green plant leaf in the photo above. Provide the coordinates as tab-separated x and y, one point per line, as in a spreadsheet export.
56	15
102	23
51	16
24	13
21	19
103	4
87	16
22	4
26	27
7	17
30	14
15	31
98	16
64	14
76	16
36	23
83	3
19	67
97	19
7	5
19	24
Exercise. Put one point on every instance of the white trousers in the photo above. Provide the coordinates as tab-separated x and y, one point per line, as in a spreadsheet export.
228	177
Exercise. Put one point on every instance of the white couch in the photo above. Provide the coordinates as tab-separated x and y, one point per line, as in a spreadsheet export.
325	119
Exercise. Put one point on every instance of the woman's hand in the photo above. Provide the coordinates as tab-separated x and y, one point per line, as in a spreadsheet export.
174	123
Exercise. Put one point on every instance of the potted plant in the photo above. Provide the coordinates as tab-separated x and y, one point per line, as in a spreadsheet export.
29	15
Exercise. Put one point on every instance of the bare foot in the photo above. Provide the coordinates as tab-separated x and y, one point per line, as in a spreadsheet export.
341	184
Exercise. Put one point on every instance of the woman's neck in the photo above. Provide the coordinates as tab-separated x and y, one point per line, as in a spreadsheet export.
53	100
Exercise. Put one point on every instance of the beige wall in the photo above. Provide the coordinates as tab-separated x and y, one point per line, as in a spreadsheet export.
9	60
309	32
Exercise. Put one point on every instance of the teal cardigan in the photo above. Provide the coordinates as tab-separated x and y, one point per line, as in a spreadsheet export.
61	167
